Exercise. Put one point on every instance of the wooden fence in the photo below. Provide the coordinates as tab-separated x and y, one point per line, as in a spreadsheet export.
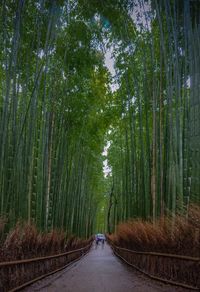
15	275
173	269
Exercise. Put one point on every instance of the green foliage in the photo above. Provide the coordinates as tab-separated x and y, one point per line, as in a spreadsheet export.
56	110
54	113
156	105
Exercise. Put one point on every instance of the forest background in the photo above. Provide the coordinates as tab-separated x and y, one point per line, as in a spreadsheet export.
60	106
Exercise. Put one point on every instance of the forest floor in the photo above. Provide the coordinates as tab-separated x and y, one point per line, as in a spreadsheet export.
100	271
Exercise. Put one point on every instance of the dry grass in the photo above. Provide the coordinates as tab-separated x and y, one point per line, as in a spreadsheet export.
25	241
179	235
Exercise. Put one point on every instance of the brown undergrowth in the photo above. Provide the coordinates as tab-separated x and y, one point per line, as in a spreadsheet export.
174	235
25	241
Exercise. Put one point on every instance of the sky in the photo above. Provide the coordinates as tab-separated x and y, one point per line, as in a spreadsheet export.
109	63
107	170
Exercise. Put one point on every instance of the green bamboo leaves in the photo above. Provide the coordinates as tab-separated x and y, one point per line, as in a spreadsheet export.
56	108
158	108
52	106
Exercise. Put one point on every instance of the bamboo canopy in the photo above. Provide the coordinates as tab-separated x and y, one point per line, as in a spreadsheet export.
58	110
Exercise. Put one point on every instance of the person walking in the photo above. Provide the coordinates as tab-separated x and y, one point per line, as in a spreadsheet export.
96	241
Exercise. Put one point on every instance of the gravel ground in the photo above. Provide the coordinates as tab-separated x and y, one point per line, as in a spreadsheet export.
100	271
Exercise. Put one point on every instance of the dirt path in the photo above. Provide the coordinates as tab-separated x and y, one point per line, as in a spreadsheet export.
100	271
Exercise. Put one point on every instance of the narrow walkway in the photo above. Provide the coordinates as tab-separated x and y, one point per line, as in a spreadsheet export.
99	271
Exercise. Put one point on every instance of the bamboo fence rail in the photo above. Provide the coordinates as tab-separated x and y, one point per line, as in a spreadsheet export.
173	269
15	275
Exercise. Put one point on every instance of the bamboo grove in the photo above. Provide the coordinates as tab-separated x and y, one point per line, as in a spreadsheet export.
57	110
157	135
53	90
